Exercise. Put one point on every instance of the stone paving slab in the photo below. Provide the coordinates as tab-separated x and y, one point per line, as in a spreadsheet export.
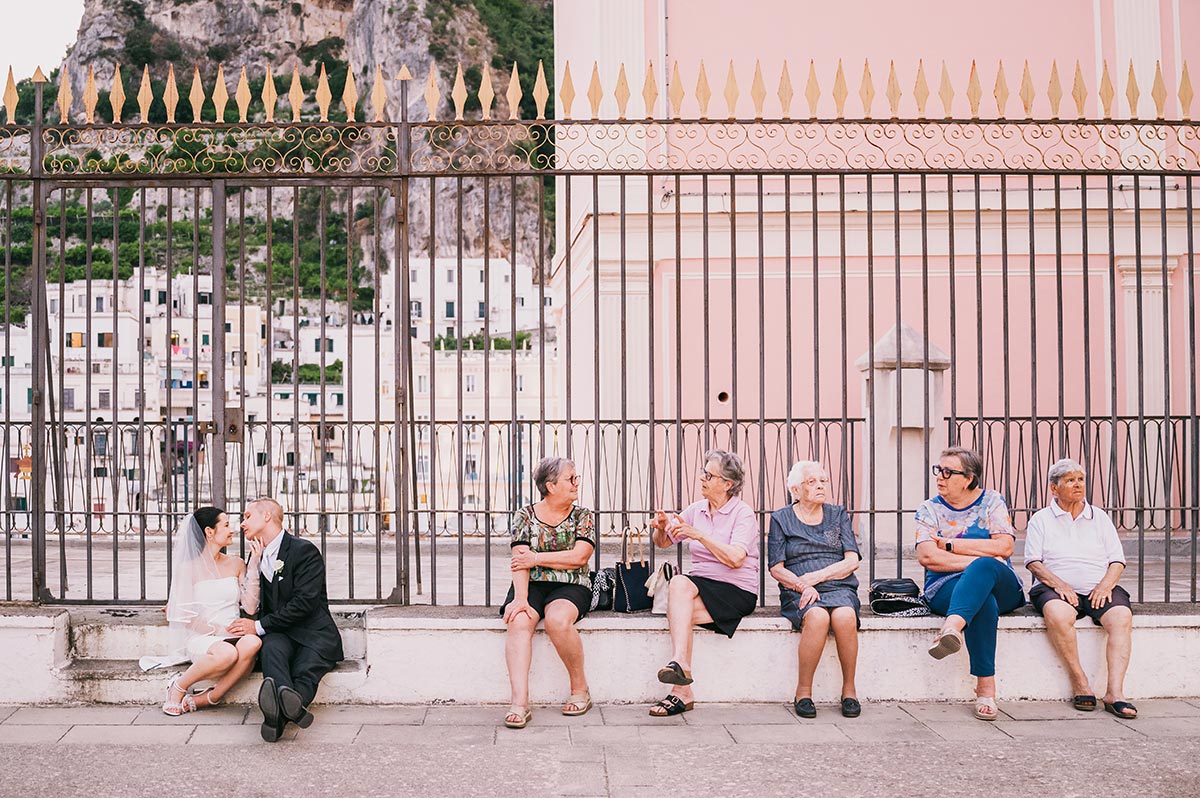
428	735
1101	728
76	716
539	738
873	732
217	716
967	730
1163	727
683	735
362	716
227	735
792	734
635	715
935	713
753	714
465	716
1048	710
1166	708
31	734
128	735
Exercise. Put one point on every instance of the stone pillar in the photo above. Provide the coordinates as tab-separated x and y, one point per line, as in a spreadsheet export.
899	366
1147	378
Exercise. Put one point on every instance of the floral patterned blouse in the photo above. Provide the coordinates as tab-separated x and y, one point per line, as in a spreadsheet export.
527	530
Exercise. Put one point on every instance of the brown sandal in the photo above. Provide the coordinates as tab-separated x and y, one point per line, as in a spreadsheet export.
582	703
518	717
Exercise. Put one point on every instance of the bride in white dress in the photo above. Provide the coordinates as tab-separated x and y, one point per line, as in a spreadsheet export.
207	587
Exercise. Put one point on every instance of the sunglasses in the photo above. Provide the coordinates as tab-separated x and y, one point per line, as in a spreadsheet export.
942	471
705	476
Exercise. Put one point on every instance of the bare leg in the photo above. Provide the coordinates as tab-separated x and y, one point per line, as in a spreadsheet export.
518	653
680	609
247	649
219	658
1118	622
814	629
684	611
1060	625
845	634
560	626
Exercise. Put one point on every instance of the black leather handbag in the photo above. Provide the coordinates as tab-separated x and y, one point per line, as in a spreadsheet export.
896	597
631	594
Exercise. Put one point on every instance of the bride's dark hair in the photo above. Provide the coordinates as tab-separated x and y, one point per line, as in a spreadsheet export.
206	518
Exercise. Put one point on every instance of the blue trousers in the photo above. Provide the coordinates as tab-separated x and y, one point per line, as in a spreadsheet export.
979	595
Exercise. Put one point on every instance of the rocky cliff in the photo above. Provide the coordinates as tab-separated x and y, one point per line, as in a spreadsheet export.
344	35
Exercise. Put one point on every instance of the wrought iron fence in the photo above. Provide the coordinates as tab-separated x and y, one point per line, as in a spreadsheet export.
385	323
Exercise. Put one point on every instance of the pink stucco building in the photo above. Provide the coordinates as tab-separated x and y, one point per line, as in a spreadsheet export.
990	270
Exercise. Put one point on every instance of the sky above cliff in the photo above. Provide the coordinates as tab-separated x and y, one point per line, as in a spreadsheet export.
37	34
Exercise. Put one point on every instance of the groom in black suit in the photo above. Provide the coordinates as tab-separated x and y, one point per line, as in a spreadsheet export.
300	641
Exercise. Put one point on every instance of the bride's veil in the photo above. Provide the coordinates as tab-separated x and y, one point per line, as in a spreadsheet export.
191	564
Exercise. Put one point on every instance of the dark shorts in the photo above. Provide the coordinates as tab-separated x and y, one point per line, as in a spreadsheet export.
829	599
1043	593
542	593
726	603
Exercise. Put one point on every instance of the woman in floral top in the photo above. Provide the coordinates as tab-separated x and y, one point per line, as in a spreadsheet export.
552	543
964	540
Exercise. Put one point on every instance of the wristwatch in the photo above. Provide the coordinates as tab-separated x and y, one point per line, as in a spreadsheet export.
950	546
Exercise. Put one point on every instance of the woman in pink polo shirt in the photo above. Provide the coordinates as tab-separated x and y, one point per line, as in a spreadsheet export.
722	587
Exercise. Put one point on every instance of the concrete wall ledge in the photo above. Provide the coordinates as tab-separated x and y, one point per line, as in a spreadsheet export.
420	655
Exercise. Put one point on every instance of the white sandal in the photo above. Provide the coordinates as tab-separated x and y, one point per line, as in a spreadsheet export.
947	642
982	707
176	708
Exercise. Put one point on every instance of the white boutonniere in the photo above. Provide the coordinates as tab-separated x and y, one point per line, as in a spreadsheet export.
278	568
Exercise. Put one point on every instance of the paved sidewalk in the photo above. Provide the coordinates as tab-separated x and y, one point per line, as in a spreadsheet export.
614	750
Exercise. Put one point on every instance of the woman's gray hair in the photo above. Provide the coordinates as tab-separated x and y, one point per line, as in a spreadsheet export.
731	467
1063	468
547	471
796	476
971	462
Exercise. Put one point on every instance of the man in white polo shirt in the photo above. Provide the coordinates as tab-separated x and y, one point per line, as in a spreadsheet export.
1073	551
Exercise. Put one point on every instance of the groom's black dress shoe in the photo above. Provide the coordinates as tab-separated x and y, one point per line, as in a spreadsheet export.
268	702
292	707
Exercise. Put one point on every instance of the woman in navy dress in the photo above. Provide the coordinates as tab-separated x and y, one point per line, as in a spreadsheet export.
813	555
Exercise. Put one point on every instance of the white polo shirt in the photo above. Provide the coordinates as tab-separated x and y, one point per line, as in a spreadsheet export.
1077	550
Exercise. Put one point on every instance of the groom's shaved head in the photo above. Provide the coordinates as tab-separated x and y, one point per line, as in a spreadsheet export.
271	508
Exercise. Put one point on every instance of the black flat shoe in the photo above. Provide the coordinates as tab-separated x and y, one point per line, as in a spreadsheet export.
268	701
851	708
292	707
805	708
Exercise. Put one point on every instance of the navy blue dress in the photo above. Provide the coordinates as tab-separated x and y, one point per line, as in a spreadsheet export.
804	548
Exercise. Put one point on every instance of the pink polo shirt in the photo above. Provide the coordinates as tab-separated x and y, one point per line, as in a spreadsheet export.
733	524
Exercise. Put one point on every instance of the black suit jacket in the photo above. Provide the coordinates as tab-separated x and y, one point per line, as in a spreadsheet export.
295	602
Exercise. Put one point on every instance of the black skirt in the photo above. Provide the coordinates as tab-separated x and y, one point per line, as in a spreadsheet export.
726	603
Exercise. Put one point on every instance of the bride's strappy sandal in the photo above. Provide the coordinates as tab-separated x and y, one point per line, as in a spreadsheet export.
206	694
176	708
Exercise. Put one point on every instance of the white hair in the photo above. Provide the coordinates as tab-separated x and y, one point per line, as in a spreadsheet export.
1063	468
796	476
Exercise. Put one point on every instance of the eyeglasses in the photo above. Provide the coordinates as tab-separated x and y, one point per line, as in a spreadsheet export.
573	479
942	471
705	476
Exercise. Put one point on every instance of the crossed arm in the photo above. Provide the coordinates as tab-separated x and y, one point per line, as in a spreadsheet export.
932	553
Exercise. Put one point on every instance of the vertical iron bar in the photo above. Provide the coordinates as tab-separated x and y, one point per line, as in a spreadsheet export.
1194	449
1167	433
896	376
41	343
873	420
218	343
1141	388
